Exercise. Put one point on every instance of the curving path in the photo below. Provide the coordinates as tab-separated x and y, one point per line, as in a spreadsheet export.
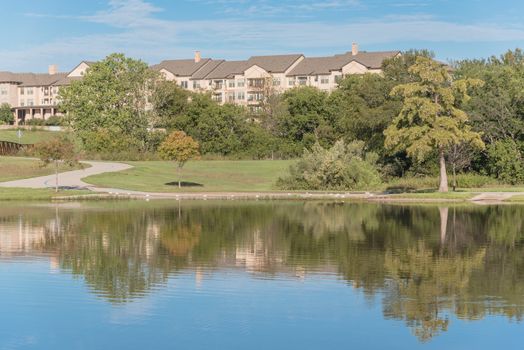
69	179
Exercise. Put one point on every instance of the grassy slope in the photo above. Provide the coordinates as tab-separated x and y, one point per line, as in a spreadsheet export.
214	176
28	136
13	168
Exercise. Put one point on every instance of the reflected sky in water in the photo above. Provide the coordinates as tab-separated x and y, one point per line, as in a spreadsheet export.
260	275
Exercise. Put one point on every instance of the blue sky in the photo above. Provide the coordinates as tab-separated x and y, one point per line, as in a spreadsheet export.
40	32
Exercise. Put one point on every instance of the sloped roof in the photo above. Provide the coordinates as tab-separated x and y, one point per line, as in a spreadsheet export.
67	80
274	64
325	65
205	70
181	68
228	69
30	79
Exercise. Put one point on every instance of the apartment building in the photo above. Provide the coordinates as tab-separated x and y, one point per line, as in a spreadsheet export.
249	82
34	96
246	83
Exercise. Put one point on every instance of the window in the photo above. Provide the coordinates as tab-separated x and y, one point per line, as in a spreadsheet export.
231	97
30	102
22	91
217	97
196	84
338	79
276	82
291	82
184	84
22	103
302	81
241	83
231	83
3	91
241	96
324	80
29	91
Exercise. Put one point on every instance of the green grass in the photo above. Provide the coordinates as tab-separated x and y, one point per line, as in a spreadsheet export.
14	168
206	176
26	194
515	199
435	195
29	137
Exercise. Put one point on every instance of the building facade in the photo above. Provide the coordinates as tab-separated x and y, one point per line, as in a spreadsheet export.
246	83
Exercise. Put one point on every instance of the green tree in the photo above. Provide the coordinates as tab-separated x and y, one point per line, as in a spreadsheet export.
6	115
430	120
169	101
107	107
180	148
55	151
505	161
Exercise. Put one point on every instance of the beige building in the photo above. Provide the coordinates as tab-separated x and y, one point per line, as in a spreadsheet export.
34	96
246	83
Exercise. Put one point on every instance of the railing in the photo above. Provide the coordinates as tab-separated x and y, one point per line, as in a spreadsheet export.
9	148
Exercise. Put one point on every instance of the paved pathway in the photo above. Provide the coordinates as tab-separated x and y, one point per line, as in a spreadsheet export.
69	179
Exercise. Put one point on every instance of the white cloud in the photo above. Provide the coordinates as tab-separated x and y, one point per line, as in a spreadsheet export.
134	28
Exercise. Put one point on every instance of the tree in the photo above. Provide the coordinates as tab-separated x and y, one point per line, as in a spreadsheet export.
430	120
6	115
55	151
108	107
169	101
180	148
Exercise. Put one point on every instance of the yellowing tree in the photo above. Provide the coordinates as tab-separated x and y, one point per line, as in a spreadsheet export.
180	148
430	119
55	151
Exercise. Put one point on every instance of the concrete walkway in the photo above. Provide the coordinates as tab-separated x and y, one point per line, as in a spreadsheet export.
494	197
69	179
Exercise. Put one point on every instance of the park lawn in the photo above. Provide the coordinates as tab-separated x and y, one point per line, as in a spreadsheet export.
198	176
28	194
435	195
14	168
29	137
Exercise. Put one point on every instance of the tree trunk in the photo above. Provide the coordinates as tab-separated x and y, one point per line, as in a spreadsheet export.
56	176
443	187
454	178
179	178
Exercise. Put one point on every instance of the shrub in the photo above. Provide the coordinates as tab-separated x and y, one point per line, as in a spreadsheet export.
55	121
35	122
342	167
505	162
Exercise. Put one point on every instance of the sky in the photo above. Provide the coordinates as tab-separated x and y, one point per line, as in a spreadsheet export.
37	33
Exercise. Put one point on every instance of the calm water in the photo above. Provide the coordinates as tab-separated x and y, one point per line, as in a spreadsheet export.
260	275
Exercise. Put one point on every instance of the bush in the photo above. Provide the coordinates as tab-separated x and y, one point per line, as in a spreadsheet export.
342	167
35	122
55	121
505	162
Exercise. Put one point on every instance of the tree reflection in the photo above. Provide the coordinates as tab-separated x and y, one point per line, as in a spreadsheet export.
426	262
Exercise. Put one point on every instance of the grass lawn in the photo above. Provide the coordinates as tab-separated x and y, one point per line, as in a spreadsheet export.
436	195
27	194
13	168
28	137
197	176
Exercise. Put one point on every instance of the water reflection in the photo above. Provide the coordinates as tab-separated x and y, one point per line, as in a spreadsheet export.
425	262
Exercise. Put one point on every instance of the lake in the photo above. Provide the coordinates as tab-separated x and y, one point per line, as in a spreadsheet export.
260	275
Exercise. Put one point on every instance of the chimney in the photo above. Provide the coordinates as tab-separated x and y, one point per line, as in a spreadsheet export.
53	69
198	57
354	49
